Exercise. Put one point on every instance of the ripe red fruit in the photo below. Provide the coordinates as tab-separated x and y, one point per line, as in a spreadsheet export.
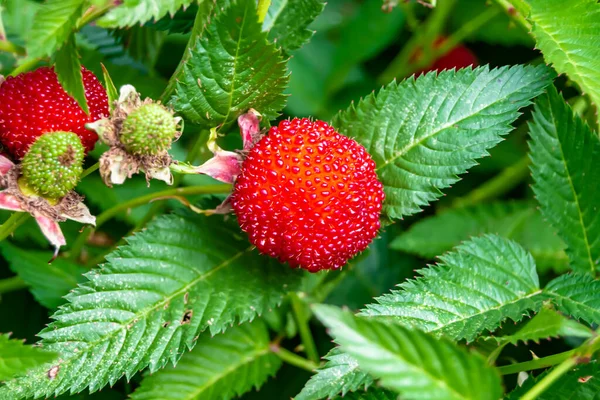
34	103
308	195
459	57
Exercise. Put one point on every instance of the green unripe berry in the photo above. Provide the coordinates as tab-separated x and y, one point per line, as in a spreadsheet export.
149	130
54	163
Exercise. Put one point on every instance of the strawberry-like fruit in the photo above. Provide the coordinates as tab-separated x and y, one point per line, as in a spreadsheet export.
34	103
308	195
53	165
149	130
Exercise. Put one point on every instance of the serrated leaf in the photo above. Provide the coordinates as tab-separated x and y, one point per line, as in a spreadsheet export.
134	12
411	362
547	324
16	357
231	69
582	383
219	367
422	133
567	180
577	295
569	38
340	374
52	25
519	221
287	22
48	282
370	394
148	304
111	90
474	288
68	71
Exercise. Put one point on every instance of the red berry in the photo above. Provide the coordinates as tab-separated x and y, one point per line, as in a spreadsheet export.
308	195
34	103
457	58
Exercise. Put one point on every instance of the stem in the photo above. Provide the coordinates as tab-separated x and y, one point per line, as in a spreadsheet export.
263	7
305	334
93	13
11	284
293	359
538	363
90	170
12	223
516	12
549	379
111	212
497	186
26	66
10	47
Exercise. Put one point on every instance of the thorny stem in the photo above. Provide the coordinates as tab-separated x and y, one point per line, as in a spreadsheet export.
263	7
12	223
111	212
495	187
302	320
538	363
11	284
292	358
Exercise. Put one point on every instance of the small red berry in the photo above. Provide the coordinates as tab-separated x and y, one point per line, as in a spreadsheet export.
308	195
457	58
34	103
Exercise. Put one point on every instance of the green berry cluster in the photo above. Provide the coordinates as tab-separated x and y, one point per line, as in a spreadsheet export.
54	164
149	130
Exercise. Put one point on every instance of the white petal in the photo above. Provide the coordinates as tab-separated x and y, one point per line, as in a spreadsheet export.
82	215
162	174
126	92
117	174
9	202
225	166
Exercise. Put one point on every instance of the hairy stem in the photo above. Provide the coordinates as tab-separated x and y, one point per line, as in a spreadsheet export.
11	284
302	319
12	223
292	358
263	7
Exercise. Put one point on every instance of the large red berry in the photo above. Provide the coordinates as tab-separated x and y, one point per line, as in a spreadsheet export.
34	103
308	195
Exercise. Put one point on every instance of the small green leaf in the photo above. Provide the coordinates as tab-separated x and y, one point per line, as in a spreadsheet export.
68	71
340	375
569	39
52	26
411	362
219	367
422	133
577	295
16	358
231	69
475	288
134	12
519	221
48	282
564	151
287	22
146	306
111	90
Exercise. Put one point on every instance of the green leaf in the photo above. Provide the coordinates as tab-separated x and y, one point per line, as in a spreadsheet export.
582	383
231	69
52	26
422	133
138	12
411	362
474	288
577	295
547	324
48	282
370	394
16	358
339	375
286	22
68	71
567	180
148	304
111	90
518	221
219	367
569	38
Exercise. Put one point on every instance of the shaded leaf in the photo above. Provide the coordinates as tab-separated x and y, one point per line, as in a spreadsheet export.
370	394
68	71
231	69
219	367
447	122
16	358
411	362
148	304
287	22
577	295
567	180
